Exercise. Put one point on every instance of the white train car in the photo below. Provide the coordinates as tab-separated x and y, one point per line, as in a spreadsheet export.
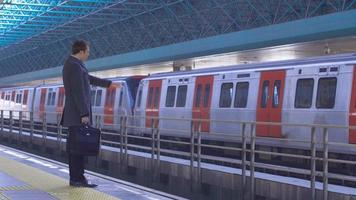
309	91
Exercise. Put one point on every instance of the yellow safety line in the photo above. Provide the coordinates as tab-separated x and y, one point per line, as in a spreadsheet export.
54	185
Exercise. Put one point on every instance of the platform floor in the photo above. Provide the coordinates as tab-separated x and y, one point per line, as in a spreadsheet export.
24	176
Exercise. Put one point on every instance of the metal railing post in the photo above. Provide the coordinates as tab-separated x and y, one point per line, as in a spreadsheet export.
10	122
313	163
158	137
59	133
121	137
199	152
325	163
152	140
126	140
20	128
243	160
44	130
2	122
31	128
252	160
192	152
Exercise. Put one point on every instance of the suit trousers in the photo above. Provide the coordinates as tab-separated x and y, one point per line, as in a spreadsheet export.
76	164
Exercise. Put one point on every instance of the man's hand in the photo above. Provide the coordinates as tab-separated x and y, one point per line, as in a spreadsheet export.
85	120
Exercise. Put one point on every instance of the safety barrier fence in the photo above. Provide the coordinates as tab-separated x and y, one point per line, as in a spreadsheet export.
154	140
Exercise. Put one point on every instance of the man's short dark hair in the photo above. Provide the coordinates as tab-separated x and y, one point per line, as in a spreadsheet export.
79	45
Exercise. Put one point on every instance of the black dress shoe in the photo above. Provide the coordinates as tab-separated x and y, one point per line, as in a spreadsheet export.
82	184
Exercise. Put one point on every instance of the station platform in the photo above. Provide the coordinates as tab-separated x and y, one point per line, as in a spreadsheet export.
25	176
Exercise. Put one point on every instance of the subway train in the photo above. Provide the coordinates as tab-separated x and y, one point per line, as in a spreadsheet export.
320	90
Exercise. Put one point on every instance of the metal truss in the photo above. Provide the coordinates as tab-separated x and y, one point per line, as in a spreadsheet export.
37	34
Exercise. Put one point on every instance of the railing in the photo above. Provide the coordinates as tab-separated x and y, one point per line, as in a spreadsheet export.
191	145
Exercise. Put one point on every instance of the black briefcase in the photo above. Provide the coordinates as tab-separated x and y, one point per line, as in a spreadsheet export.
85	141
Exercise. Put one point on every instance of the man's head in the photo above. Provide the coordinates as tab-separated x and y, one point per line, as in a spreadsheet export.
80	49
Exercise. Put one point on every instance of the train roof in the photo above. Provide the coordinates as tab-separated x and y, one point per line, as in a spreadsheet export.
330	60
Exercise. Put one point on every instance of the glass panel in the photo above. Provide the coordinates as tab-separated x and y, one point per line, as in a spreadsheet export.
182	95
304	93
53	98
198	96
206	95
264	97
326	93
241	95
139	98
92	93
276	93
226	95
171	95
121	96
150	97
98	97
157	95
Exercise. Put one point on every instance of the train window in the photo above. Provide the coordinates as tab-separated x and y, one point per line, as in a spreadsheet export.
18	97
171	95
2	95
139	98
150	96
206	95
51	97
304	93
98	97
276	93
121	96
265	88
241	95
198	96
92	93
156	99
226	95
182	95
326	93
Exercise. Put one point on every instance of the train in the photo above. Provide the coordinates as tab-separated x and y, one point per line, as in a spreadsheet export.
318	90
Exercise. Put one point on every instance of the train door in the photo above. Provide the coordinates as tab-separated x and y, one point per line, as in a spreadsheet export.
25	98
42	102
60	102
153	100
109	105
352	114
202	101
270	101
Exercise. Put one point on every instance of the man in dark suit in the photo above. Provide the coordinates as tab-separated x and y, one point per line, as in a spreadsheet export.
77	109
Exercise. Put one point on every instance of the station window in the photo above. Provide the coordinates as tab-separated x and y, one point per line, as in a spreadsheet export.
304	93
241	95
182	95
264	97
326	93
171	95
206	95
226	95
139	98
198	95
276	93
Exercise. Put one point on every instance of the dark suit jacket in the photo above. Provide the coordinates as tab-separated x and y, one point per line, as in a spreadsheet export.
76	82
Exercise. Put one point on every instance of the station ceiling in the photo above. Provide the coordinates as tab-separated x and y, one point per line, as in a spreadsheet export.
37	34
